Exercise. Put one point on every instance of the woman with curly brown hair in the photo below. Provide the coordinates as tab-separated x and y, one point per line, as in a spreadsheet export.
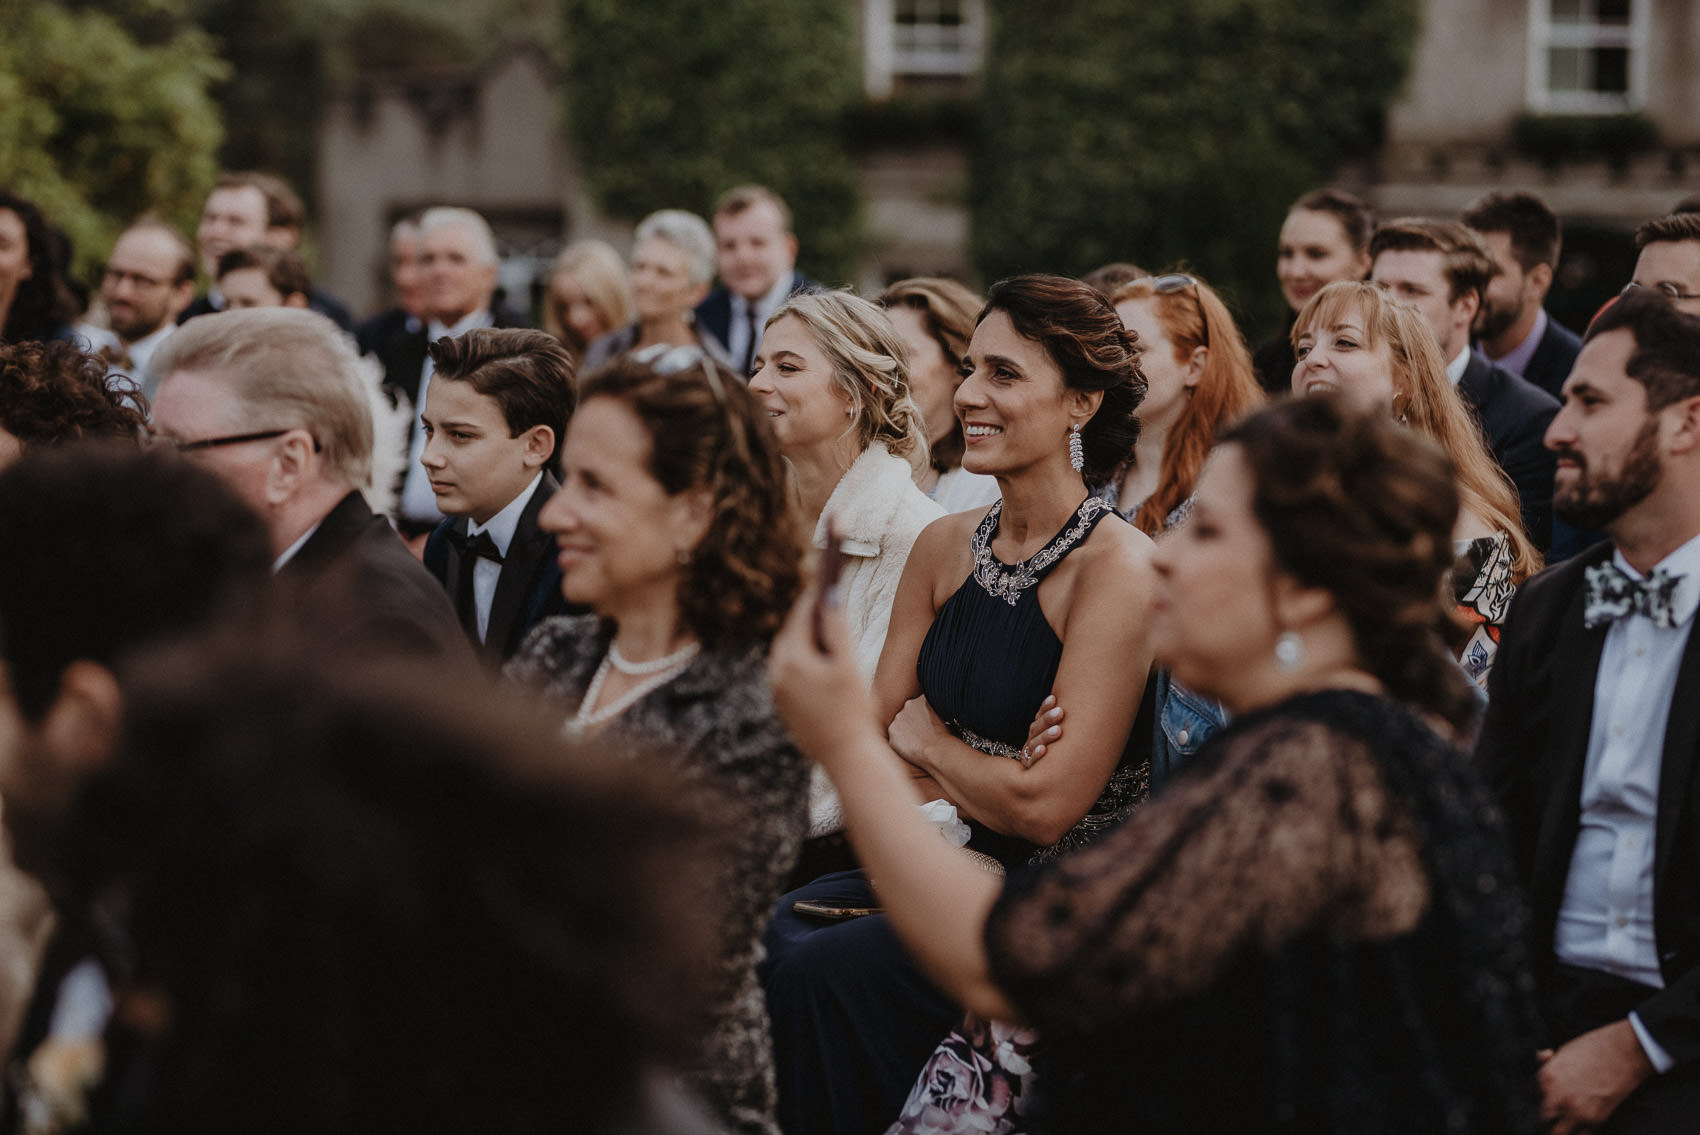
1315	927
675	526
52	392
36	304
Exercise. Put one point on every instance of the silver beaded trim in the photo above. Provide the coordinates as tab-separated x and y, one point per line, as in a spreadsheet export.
1008	582
995	748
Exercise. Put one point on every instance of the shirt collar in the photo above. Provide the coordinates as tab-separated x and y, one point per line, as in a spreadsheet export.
1456	368
504	524
1684	563
769	303
289	552
1517	359
480	318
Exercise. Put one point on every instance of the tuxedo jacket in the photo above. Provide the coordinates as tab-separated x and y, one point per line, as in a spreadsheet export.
1554	355
318	300
529	588
362	590
1514	415
374	334
1532	749
714	314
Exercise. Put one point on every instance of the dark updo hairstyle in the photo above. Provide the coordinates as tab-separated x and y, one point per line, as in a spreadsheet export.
1356	505
706	430
50	392
1085	338
44	303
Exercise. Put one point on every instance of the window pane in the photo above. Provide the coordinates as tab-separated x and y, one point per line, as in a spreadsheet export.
1564	69
1613	12
1566	11
1611	70
906	11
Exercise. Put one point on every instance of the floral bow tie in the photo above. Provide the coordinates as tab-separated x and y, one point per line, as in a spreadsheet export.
1613	594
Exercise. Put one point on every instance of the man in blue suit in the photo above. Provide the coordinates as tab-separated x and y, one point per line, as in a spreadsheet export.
757	254
1512	328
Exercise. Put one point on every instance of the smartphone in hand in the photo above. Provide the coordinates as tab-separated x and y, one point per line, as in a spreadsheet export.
831	571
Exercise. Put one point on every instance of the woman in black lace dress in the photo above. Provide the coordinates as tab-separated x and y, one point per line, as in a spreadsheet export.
1314	928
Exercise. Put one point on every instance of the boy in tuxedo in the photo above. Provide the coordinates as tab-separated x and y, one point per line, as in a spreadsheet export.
493	419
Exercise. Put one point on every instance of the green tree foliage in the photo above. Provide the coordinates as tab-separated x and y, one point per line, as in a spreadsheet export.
96	127
672	102
1166	130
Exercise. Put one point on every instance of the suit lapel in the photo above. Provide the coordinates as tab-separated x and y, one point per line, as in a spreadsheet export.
518	567
1676	767
1575	668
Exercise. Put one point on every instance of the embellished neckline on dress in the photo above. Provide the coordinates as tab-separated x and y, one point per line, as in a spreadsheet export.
1008	581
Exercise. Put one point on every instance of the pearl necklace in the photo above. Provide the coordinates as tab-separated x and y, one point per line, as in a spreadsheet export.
653	666
674	665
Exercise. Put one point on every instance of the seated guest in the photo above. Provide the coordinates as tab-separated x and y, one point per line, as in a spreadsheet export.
274	401
36	303
494	419
1324	238
1316	927
590	294
1042	595
52	393
675	527
111	550
1381	354
354	901
1512	328
258	276
935	319
672	268
1593	733
1198	378
1443	269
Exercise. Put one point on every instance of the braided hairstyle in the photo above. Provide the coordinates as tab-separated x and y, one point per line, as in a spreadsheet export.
1363	509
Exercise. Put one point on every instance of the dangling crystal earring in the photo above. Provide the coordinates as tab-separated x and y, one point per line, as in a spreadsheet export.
1076	451
1289	651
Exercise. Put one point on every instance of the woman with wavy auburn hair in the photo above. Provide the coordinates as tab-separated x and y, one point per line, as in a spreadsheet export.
675	527
1380	353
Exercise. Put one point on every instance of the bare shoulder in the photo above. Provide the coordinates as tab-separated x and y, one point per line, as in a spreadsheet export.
1116	555
942	551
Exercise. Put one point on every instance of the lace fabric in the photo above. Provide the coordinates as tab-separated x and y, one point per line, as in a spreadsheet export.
1320	912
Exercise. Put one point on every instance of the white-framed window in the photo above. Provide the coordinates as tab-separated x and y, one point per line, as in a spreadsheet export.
923	39
1587	56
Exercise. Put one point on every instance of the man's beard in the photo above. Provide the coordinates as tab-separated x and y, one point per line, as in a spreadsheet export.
1493	321
1591	502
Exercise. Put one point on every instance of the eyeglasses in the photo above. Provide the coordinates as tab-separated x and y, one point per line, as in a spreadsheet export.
1665	287
113	276
231	439
1174	283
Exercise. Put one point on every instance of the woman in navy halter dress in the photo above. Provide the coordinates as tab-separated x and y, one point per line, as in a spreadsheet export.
1042	594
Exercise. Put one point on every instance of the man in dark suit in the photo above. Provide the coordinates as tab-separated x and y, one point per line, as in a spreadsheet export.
757	254
493	419
458	266
1593	734
274	401
253	208
1442	269
407	281
1512	329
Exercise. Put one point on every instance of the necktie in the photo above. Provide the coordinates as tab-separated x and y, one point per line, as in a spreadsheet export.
755	337
1612	594
471	549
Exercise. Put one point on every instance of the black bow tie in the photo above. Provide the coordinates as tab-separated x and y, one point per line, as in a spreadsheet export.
473	548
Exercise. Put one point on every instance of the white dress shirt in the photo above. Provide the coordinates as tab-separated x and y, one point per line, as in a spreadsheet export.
418	502
1456	368
1606	919
486	573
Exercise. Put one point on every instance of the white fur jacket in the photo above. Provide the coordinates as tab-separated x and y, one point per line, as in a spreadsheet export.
879	512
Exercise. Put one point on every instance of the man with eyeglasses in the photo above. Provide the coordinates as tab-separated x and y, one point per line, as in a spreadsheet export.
149	281
1670	259
273	400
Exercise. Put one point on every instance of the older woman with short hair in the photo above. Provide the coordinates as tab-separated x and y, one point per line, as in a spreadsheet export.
672	268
